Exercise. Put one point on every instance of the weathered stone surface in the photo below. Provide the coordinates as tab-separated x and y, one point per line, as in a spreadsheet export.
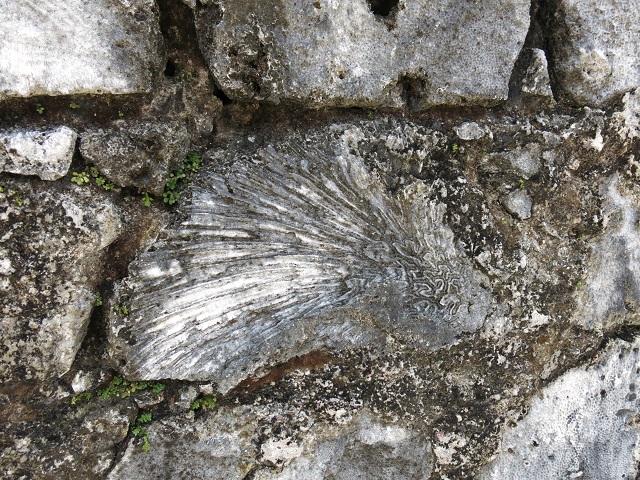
536	82
297	249
363	448
524	161
584	425
47	154
78	46
470	131
76	443
611	293
627	120
224	444
140	154
218	446
416	54
519	203
595	49
50	243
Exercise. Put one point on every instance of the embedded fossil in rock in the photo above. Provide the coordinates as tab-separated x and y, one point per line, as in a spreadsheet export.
295	250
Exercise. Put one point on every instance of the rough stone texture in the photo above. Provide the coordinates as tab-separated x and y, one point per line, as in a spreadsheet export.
536	82
584	425
325	240
218	446
627	121
525	161
50	242
469	131
611	293
79	443
363	448
595	49
224	445
456	397
46	154
140	154
333	52
66	47
318	256
519	203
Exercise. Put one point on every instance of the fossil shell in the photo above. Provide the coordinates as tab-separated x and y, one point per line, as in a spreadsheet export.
297	248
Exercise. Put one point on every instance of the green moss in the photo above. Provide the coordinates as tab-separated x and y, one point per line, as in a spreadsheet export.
122	388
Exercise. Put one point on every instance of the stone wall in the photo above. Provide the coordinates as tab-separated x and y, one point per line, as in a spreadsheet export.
333	239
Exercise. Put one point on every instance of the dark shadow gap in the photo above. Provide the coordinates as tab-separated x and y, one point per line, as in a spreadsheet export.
384	8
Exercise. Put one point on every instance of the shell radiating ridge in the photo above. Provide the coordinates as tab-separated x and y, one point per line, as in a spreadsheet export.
296	249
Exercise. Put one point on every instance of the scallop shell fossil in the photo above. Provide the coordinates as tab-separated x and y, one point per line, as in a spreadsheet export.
295	249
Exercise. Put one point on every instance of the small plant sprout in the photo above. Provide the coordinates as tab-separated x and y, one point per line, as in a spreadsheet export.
100	179
140	430
121	388
170	197
158	388
81	396
120	113
80	178
39	109
74	105
520	183
15	195
98	300
206	402
121	309
179	177
455	148
147	199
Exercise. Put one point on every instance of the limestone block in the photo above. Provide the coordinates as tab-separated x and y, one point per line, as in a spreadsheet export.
519	203
364	53
46	154
50	245
364	448
536	82
584	425
139	153
217	446
595	49
223	445
611	292
62	47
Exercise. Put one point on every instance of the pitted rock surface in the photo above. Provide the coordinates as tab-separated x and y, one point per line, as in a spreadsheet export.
357	53
595	49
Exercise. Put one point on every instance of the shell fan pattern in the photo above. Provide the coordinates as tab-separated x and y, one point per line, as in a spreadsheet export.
299	248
